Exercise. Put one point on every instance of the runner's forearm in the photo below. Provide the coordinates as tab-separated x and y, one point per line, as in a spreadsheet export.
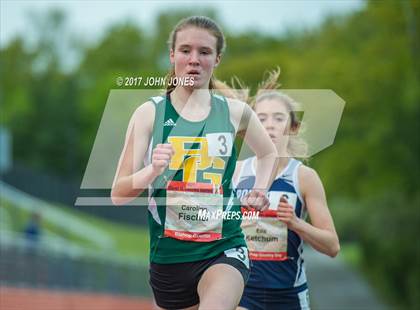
266	169
128	188
321	240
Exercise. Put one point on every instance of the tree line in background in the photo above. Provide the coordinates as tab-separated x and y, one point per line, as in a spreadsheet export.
370	58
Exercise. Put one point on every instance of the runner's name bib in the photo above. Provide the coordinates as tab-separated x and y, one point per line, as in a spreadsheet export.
266	238
220	143
189	209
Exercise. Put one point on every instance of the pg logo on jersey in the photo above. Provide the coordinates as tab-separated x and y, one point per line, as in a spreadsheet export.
195	155
201	160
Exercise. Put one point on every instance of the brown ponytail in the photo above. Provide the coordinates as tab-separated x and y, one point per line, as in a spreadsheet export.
268	89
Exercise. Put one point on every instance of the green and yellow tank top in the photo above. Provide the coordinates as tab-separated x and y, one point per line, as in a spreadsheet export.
196	184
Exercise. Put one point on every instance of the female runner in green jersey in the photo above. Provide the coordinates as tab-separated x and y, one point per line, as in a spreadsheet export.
185	139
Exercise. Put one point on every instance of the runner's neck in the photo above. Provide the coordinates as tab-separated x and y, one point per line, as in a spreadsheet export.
185	102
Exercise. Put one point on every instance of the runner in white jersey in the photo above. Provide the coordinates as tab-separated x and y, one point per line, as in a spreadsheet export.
275	240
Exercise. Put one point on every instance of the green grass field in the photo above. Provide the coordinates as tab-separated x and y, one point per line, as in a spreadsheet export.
129	241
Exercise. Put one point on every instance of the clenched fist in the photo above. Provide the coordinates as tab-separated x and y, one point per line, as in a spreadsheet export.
161	157
255	199
286	213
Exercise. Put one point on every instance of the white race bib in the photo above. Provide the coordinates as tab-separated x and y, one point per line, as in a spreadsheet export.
220	144
274	198
187	209
240	253
266	238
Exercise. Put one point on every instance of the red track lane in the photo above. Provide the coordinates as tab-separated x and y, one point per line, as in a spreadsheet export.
37	299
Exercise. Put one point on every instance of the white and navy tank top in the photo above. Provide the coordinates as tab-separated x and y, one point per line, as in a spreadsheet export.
290	272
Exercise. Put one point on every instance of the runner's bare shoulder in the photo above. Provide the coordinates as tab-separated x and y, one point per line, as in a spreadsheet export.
144	117
236	109
309	180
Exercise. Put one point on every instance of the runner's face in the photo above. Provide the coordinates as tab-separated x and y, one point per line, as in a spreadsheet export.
195	55
274	116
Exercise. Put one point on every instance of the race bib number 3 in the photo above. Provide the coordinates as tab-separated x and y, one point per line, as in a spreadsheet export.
240	253
220	144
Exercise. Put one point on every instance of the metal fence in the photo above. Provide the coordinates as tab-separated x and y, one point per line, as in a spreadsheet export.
64	266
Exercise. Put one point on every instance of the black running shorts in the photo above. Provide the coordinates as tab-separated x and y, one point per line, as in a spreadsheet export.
175	285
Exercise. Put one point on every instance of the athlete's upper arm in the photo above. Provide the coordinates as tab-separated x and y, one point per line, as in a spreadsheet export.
237	172
236	109
315	199
256	137
137	140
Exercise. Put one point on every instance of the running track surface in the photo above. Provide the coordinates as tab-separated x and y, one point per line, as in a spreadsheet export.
37	299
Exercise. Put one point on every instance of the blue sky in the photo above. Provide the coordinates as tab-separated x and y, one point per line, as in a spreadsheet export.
89	19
